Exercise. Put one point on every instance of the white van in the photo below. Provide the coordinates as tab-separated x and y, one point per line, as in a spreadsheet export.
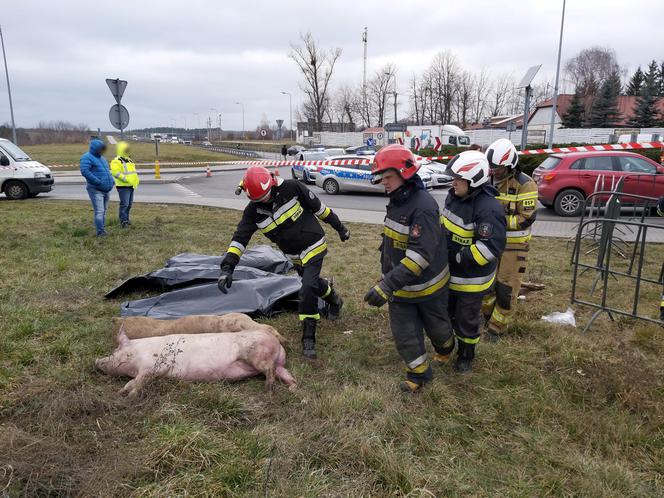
20	176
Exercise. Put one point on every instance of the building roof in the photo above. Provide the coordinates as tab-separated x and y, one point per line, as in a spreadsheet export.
626	104
375	129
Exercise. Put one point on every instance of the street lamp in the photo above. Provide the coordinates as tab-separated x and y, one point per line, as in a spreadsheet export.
210	123
290	112
554	101
241	104
9	92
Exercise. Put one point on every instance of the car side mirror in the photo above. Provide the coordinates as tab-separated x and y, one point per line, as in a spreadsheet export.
4	160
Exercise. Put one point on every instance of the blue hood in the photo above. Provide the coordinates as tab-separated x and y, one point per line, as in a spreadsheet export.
95	147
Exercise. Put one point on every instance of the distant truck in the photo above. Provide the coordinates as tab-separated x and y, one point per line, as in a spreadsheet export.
449	135
20	176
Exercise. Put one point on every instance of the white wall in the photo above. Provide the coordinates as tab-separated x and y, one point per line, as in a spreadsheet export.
560	136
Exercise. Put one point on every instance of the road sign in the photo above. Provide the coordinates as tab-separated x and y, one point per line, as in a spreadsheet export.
511	126
263	133
371	142
117	87
438	145
119	116
280	123
417	144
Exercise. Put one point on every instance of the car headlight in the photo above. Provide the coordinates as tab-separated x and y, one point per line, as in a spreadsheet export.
40	174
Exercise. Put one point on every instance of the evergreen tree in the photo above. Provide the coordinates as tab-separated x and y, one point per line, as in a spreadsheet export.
604	112
635	82
573	118
645	110
661	79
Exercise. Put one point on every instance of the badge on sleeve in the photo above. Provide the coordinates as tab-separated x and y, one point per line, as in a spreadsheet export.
485	230
415	231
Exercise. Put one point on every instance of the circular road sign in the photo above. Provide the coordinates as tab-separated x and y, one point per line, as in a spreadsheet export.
119	116
263	133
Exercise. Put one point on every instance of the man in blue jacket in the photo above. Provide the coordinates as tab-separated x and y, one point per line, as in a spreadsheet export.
94	168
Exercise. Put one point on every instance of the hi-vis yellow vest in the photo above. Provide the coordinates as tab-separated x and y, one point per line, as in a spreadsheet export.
124	173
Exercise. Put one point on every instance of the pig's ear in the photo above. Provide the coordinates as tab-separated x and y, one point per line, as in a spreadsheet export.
122	338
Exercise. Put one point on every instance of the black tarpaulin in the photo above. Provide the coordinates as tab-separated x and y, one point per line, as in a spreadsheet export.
188	269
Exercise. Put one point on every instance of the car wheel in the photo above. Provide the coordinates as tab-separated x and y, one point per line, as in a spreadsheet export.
331	186
292	172
16	190
569	203
305	176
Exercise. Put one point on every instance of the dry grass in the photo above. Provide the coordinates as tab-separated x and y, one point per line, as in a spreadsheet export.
69	154
548	412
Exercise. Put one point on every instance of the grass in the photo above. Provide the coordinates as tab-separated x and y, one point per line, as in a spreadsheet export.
547	412
69	154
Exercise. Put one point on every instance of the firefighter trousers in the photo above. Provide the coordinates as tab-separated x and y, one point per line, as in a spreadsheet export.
465	308
498	306
313	287
410	321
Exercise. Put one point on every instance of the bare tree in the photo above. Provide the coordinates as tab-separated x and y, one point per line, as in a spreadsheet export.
317	67
345	106
501	93
464	95
444	72
378	90
591	67
480	94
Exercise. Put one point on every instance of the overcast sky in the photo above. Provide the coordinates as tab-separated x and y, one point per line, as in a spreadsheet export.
185	57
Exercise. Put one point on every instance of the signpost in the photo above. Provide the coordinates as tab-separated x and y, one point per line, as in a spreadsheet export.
118	114
525	83
371	142
263	133
280	123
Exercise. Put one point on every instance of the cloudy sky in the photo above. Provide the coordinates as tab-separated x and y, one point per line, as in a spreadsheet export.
183	58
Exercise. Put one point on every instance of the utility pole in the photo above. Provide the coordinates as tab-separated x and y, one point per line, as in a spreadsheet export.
9	91
290	111
219	117
364	75
241	104
554	101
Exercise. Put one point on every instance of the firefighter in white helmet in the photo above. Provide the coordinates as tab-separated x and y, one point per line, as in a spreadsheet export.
517	193
475	228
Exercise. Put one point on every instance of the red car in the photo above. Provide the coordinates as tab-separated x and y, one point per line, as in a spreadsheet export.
565	180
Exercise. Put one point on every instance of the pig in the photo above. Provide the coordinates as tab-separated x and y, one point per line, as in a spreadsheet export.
201	357
138	327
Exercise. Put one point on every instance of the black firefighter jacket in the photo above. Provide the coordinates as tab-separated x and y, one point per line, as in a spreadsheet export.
413	251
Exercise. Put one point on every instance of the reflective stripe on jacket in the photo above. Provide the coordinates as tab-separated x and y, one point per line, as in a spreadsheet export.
290	220
413	251
518	195
124	172
475	229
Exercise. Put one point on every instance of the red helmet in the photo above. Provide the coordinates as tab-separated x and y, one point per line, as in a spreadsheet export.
396	157
257	183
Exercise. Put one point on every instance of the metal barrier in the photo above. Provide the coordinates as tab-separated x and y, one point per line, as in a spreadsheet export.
232	151
605	248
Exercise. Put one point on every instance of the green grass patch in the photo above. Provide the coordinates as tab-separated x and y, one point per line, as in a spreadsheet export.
547	411
68	154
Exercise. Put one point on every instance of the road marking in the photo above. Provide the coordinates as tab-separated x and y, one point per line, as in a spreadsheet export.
184	190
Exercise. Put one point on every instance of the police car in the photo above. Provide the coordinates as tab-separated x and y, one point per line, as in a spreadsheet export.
307	172
334	179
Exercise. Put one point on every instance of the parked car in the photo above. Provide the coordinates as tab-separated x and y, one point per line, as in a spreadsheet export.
565	180
206	143
307	173
354	177
20	176
439	179
361	150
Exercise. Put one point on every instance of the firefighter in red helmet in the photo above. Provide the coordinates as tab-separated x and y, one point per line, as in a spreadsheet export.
287	213
414	266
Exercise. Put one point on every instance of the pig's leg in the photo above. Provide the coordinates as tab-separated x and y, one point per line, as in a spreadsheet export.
134	386
269	379
285	376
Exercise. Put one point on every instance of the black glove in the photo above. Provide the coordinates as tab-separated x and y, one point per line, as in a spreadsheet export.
225	279
376	297
344	233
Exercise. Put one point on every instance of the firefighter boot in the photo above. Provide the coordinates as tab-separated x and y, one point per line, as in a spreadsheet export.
416	378
465	355
335	302
309	338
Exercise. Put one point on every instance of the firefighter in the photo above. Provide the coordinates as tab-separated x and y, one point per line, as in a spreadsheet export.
287	213
475	227
517	193
414	266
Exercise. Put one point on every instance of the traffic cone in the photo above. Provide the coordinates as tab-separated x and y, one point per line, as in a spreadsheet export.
208	173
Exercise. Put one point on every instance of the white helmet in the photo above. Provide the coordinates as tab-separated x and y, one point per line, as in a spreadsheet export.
502	153
470	165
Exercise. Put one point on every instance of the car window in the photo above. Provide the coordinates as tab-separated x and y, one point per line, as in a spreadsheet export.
636	165
595	163
550	163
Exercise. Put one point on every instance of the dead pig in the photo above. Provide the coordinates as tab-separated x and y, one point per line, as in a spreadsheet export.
199	357
138	327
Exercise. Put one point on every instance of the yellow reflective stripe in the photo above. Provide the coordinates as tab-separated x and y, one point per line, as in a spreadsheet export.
419	369
519	240
517	197
477	256
235	250
327	292
315	317
392	234
461	287
513	222
314	252
326	212
288	214
498	316
269	228
412	266
424	292
455	228
467	340
381	292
